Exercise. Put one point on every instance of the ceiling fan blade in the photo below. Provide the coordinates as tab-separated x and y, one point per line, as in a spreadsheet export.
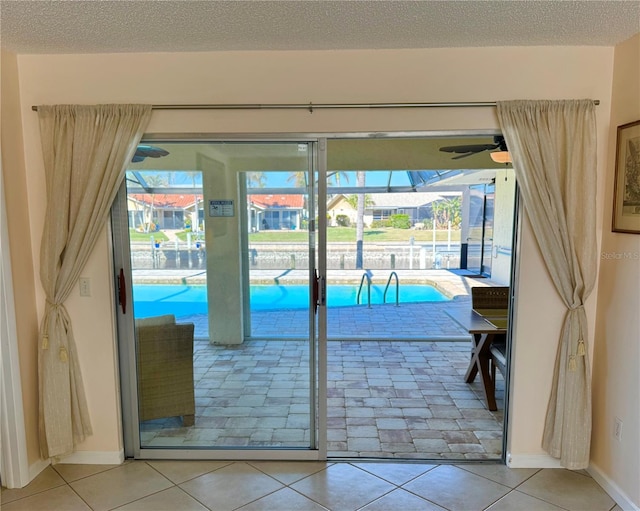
471	148
500	143
144	151
462	156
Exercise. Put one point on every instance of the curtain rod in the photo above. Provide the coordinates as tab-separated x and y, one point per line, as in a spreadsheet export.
320	106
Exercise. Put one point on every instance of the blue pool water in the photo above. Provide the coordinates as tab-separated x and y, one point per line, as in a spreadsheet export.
154	300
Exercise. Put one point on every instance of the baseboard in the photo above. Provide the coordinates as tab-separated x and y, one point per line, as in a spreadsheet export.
37	467
532	461
93	458
614	491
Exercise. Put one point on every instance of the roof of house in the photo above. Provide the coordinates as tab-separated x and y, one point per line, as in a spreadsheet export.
277	201
164	200
407	200
399	200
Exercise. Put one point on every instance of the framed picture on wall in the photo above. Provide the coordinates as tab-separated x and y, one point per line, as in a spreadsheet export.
626	195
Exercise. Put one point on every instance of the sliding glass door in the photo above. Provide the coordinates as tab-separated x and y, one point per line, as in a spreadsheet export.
222	248
216	257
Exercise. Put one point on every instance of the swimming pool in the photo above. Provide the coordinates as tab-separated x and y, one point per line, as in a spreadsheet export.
154	300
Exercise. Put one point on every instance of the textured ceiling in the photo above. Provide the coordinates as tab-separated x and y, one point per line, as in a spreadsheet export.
107	26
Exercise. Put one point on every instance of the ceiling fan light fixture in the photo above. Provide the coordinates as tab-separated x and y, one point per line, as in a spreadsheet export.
501	156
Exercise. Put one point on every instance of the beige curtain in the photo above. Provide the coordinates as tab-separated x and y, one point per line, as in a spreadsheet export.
85	150
553	147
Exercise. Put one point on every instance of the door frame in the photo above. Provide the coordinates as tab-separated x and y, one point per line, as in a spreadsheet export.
14	463
132	448
126	330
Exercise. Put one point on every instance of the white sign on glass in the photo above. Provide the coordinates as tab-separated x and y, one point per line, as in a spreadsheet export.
221	208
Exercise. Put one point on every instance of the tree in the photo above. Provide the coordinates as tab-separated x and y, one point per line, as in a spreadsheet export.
193	174
447	210
300	181
452	211
335	177
256	179
153	181
436	210
298	178
457	212
352	200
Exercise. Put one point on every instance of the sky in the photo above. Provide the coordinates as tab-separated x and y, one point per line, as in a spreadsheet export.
277	179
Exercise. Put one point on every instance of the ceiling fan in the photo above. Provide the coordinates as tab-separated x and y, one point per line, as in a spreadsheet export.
465	150
144	151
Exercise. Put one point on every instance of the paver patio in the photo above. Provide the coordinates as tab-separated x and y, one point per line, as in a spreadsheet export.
389	399
395	383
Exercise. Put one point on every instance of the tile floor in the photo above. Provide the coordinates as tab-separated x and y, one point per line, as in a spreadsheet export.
302	486
387	399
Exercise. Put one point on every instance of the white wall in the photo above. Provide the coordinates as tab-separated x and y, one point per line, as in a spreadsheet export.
16	197
321	77
616	377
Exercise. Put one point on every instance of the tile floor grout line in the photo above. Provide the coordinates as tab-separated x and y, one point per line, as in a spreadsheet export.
462	466
259	498
79	496
498	499
543	500
402	487
193	496
289	485
173	485
64	482
329	464
226	464
394	485
306	496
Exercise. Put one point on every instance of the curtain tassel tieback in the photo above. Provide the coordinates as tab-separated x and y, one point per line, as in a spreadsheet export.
572	363
53	305
581	349
62	354
45	342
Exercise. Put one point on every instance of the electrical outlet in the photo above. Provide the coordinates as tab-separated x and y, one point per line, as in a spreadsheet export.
617	429
85	286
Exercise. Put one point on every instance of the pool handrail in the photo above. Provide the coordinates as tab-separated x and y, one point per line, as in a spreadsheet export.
384	296
365	275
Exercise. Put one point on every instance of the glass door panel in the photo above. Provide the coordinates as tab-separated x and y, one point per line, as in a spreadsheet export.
222	260
481	219
279	258
476	224
487	240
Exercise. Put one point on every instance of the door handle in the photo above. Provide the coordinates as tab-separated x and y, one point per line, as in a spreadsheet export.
122	291
315	291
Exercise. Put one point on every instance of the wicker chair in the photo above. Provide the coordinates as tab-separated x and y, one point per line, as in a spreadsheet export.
165	369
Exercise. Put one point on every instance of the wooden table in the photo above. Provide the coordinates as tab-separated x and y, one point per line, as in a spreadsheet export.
484	333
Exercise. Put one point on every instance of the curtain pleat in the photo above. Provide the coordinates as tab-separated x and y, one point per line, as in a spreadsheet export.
86	150
553	148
